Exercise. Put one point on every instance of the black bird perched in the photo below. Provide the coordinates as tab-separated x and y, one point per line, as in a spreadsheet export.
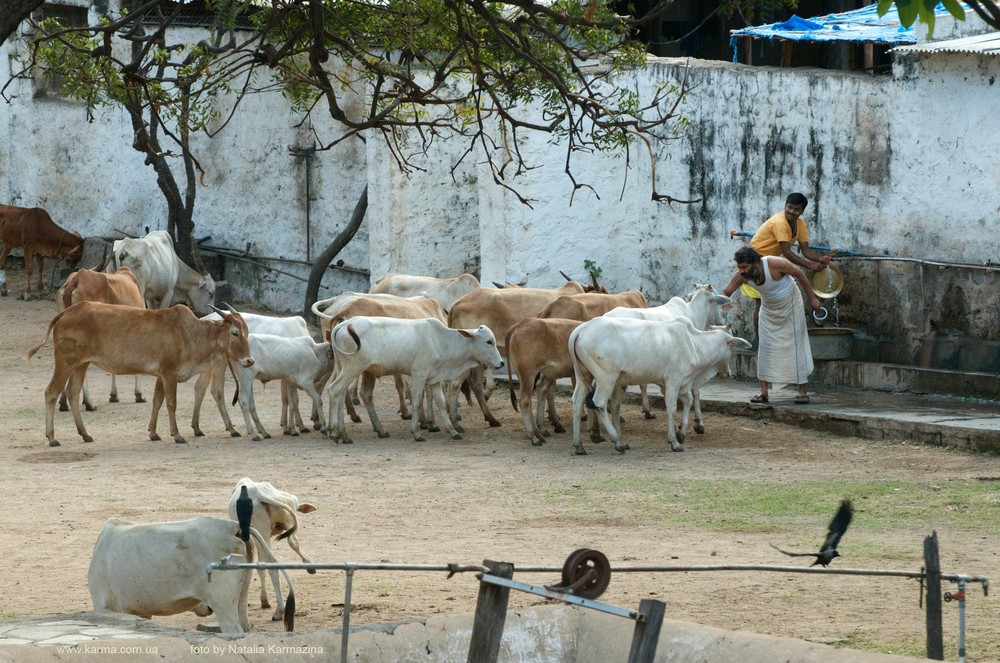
837	528
244	511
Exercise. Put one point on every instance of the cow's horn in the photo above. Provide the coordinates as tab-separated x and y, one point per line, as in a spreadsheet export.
229	306
219	310
564	275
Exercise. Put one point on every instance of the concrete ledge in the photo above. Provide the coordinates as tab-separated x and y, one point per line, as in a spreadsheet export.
546	634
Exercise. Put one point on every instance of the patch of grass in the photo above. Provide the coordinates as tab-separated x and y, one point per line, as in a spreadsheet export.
914	647
771	506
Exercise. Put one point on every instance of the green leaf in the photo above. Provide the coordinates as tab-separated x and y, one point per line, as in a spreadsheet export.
908	10
884	6
954	8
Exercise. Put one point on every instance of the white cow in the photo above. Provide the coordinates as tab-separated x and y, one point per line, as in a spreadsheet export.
445	291
702	306
425	349
160	569
291	421
162	276
299	362
274	515
618	352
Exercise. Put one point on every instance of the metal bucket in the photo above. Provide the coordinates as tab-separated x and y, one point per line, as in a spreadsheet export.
827	283
831	342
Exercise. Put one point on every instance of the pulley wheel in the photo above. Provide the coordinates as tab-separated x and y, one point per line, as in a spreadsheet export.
579	564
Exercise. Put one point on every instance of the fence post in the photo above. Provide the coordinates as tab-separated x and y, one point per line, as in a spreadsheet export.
647	631
932	566
491	613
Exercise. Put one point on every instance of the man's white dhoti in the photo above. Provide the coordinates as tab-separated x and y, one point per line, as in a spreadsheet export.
783	355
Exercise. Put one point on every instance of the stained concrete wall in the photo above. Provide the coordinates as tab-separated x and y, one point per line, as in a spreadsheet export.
889	166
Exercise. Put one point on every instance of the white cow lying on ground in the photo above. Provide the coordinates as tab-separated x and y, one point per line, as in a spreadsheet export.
425	349
163	277
618	352
160	569
274	516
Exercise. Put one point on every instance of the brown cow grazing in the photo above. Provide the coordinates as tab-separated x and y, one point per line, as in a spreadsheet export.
93	285
35	231
171	344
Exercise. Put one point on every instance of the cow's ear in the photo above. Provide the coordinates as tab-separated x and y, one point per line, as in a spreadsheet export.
306	508
464	333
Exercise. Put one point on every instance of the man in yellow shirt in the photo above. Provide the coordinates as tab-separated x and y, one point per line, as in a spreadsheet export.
776	237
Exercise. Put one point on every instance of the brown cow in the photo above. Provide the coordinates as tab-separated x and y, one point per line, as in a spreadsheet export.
590	305
90	285
171	344
35	231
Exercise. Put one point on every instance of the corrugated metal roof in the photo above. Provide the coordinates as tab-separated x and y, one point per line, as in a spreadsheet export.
988	44
859	25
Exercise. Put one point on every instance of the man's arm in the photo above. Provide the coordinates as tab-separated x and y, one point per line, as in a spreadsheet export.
733	284
814	256
808	262
785	267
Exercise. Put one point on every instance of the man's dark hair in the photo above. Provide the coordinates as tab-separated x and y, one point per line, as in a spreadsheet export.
797	199
747	255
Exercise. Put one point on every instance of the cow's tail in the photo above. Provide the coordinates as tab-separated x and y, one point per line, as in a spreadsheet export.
354	335
288	617
236	394
510	378
32	350
68	288
576	362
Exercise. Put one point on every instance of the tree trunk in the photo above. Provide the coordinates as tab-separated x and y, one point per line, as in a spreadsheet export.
12	12
336	246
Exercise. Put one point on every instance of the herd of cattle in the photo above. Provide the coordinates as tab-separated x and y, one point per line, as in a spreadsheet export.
444	335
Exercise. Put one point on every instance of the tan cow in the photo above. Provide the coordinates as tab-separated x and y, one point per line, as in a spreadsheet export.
93	285
499	310
171	344
35	231
589	305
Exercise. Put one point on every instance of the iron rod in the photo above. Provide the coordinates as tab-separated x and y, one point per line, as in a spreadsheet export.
562	596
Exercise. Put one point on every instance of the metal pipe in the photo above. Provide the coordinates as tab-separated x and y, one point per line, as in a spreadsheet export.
346	629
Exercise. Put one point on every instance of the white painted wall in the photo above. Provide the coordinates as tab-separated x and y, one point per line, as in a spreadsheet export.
901	165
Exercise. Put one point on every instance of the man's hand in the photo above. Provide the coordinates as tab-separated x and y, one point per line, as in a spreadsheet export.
815	303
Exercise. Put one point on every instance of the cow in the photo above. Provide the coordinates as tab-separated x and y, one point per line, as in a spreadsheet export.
538	350
291	421
618	352
351	304
588	305
34	230
274	516
159	569
703	307
171	344
425	349
93	285
165	279
299	362
444	291
499	310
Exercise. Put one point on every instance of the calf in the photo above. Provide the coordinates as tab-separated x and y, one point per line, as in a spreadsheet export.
159	569
40	237
93	285
171	344
274	515
618	352
425	349
444	291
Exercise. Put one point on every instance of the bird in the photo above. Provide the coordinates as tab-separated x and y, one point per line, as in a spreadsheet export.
841	520
244	511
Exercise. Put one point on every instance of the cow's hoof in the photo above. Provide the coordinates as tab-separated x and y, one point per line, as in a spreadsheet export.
407	416
681	436
198	433
140	399
546	433
346	440
256	438
596	439
64	408
234	433
559	429
648	414
265	605
356	419
293	433
180	440
88	407
700	429
383	434
54	443
112	399
621	448
459	428
537	443
153	437
580	451
677	447
356	401
494	423
434	428
419	438
306	429
457	436
311	572
267	436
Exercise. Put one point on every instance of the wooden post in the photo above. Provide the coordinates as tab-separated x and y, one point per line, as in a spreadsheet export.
869	57
491	613
932	566
786	53
647	631
748	50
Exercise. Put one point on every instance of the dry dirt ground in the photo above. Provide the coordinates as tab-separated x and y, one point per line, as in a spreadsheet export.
490	496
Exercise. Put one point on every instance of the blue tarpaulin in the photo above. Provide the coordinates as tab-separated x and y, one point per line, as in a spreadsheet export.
860	25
